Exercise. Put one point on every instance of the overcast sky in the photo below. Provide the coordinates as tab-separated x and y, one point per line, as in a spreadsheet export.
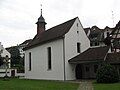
18	17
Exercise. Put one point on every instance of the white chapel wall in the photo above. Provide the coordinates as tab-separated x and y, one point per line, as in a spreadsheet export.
39	60
76	34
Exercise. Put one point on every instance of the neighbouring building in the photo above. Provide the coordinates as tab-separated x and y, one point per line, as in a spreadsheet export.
115	38
97	35
4	53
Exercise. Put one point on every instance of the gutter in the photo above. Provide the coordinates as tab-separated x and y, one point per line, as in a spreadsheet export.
64	59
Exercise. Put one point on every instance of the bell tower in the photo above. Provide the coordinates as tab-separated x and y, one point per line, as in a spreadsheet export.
41	24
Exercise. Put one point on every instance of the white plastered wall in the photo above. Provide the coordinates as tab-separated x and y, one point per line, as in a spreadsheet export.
76	34
39	61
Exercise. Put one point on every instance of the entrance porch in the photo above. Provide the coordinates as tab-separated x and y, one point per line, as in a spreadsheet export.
88	62
86	71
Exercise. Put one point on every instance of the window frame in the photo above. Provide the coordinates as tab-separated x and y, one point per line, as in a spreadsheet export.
30	58
49	58
78	47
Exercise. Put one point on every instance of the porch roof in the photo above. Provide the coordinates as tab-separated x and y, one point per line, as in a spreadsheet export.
113	58
91	55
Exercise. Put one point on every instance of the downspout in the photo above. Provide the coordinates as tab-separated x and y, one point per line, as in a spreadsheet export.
64	58
106	56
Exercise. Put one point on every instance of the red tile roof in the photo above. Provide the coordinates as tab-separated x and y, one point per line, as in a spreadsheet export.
51	34
91	55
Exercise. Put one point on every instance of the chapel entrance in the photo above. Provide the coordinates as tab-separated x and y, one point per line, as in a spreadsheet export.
78	71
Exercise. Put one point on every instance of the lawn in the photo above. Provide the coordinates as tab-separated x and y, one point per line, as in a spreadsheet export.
22	84
114	86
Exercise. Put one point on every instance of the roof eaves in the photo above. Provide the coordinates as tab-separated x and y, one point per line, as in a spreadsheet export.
35	45
88	61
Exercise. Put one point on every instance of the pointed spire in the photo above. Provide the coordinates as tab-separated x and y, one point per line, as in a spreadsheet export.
41	12
41	9
41	18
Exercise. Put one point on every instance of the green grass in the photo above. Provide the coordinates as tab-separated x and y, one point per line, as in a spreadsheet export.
114	86
22	84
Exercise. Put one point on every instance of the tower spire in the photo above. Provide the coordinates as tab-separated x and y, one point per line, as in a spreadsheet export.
41	9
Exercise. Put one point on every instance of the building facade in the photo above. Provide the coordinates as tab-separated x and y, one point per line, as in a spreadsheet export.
4	53
47	55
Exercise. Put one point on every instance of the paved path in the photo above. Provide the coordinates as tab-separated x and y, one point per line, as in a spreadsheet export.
85	85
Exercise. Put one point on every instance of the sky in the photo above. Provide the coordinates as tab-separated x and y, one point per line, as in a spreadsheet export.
18	17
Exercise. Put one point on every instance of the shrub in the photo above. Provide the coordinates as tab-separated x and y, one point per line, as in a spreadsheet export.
107	74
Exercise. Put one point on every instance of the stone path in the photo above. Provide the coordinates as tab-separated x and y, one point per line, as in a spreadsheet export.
85	85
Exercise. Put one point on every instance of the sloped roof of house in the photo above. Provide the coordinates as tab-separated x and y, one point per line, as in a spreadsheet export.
116	32
91	55
113	58
108	29
86	30
51	34
96	34
117	27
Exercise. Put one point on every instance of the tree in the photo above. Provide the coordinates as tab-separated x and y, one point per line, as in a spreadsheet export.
107	74
1	60
16	60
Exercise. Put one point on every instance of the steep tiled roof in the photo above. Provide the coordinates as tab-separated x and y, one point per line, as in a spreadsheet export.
51	34
116	32
113	58
91	55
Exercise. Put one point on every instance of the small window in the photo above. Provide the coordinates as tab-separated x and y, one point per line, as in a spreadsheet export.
77	24
95	68
29	61
78	47
77	32
49	58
